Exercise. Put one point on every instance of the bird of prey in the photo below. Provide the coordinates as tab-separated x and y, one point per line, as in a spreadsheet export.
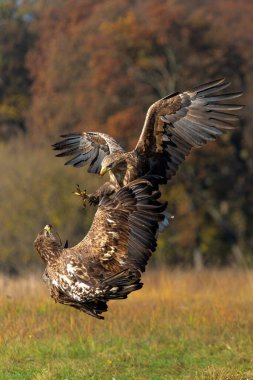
108	262
173	126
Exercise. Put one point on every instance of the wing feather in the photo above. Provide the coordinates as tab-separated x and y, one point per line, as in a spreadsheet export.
127	226
182	121
86	147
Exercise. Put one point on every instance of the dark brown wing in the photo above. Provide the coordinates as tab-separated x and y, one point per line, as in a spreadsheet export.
181	121
123	233
87	147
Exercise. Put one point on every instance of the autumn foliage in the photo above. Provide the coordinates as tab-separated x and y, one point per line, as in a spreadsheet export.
97	65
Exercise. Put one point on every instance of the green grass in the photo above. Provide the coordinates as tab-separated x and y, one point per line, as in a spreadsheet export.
182	325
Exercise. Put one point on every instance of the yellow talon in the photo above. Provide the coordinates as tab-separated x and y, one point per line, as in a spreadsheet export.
82	194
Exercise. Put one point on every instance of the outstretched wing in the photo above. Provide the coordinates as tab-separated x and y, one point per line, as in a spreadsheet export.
181	121
87	147
123	233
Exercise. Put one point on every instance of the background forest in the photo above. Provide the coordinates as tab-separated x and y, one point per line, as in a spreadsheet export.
92	65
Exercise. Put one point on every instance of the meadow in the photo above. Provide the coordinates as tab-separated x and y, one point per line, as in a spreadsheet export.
181	325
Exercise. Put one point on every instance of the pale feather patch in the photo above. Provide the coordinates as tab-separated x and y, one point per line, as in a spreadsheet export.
70	268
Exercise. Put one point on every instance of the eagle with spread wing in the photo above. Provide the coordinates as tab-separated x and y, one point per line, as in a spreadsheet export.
108	262
173	126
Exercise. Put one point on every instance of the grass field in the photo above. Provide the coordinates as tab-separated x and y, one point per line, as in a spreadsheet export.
181	325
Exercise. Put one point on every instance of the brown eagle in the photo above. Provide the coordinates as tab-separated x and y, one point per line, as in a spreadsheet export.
173	126
108	262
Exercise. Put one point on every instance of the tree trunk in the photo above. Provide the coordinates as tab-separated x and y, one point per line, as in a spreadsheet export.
198	263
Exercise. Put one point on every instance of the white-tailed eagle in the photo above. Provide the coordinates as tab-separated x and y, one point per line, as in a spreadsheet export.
173	126
108	262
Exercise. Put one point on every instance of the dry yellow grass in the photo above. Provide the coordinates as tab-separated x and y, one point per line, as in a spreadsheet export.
181	325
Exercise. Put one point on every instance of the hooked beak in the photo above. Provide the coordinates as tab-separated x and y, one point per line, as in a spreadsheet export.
103	170
48	229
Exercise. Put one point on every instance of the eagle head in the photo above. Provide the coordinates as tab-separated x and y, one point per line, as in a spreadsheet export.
46	244
112	161
47	231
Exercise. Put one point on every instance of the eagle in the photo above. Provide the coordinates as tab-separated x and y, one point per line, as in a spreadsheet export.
173	126
108	262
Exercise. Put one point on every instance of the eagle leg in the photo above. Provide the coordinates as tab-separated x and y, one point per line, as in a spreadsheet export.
93	199
81	193
106	190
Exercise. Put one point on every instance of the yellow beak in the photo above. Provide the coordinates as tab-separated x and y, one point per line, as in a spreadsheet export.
103	170
48	228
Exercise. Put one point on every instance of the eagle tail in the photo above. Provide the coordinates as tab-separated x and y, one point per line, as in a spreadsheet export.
95	308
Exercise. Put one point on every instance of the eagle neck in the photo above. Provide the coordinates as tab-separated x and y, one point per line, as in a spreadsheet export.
49	250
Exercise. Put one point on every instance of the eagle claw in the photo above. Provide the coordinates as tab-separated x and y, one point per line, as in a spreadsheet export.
92	199
81	193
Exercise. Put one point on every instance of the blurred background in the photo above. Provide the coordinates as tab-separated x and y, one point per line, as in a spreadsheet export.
89	65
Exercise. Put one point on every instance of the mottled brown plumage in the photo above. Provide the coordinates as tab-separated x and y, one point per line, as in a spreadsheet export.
108	262
173	126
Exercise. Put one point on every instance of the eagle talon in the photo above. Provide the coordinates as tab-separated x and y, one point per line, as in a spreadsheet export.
82	194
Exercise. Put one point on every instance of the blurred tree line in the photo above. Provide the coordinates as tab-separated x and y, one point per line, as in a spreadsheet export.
74	65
